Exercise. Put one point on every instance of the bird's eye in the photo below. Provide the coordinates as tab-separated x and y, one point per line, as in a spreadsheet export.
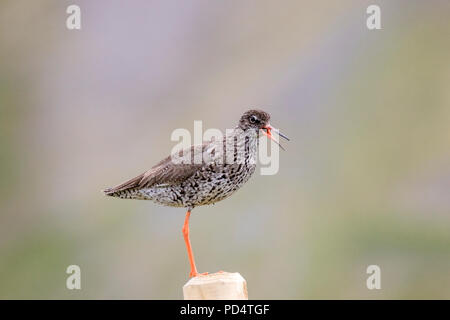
253	119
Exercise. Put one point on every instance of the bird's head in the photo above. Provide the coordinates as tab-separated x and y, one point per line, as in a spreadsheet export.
259	120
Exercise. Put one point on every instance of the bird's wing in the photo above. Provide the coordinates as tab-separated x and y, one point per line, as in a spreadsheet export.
166	172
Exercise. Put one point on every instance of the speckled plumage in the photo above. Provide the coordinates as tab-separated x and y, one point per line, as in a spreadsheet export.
224	166
191	185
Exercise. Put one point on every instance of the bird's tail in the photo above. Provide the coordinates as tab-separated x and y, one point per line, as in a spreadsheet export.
109	192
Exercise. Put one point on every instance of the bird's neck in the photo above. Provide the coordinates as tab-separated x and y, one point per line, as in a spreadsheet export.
244	142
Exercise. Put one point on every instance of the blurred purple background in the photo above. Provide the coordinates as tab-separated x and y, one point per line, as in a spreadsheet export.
365	179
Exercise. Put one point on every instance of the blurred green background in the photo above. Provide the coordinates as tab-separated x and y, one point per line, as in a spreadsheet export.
365	179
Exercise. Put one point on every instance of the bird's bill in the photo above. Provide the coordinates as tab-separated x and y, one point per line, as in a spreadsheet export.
267	130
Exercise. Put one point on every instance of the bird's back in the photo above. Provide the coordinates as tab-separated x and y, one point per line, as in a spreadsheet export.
180	183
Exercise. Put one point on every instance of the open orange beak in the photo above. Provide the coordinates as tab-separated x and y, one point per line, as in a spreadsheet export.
268	132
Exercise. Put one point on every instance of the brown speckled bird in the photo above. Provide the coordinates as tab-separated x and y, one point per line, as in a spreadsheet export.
203	174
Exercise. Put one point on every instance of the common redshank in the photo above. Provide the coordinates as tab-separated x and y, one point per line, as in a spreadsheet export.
202	174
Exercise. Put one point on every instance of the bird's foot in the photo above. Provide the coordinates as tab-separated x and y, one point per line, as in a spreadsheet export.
194	274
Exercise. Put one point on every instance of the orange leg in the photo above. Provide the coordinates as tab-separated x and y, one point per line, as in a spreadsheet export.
185	231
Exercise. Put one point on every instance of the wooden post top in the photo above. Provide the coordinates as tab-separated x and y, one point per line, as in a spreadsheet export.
216	286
